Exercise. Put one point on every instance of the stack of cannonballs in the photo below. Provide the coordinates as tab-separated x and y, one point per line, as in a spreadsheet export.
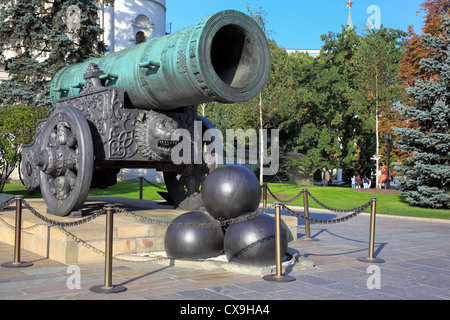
228	192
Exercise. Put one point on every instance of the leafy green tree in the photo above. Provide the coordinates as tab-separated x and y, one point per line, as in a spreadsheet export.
35	35
313	102
377	63
327	133
425	177
17	127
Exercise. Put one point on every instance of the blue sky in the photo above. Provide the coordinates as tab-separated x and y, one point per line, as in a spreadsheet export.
298	24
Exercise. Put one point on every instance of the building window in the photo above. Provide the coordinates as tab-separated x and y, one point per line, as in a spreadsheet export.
140	37
142	28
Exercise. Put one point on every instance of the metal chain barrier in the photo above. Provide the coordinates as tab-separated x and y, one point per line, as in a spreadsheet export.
354	212
49	221
244	217
331	221
11	227
7	203
336	210
284	201
152	184
79	240
247	216
61	225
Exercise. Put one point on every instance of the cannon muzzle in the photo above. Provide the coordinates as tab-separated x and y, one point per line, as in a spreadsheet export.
224	58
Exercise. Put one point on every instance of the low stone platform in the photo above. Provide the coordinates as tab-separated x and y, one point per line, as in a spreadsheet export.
86	242
292	262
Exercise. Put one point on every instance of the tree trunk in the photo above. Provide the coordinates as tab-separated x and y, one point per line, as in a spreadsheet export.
261	143
376	132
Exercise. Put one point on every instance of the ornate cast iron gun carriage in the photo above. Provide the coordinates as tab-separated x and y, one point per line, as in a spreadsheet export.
121	110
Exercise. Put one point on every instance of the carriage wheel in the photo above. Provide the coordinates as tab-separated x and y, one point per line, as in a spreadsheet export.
67	161
185	188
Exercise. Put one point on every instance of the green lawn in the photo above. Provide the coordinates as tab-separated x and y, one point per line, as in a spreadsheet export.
335	197
347	198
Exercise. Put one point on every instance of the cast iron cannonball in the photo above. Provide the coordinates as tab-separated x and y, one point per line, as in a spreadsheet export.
253	241
192	242
230	191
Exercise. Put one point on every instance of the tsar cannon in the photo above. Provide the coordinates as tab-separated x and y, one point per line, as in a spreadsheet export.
121	110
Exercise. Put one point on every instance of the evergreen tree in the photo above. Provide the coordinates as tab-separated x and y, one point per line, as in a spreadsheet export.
426	174
415	49
37	34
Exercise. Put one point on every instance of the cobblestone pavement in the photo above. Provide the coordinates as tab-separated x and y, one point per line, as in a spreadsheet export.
416	267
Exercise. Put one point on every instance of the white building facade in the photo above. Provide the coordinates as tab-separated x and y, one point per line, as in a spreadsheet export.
130	22
127	23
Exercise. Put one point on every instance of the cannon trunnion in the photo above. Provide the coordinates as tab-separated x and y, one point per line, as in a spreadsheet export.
123	110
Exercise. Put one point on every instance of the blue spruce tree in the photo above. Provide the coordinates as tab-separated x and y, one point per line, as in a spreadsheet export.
38	33
425	176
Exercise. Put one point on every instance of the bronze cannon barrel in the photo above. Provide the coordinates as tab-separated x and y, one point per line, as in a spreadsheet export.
224	58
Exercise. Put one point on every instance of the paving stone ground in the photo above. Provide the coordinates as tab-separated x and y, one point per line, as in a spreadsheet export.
416	267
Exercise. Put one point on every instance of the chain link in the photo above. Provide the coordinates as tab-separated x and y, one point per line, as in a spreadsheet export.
284	201
79	240
331	221
149	220
49	221
7	203
354	212
9	226
337	210
151	183
61	225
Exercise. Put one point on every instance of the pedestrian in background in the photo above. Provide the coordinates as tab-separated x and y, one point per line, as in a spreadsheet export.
358	182
325	177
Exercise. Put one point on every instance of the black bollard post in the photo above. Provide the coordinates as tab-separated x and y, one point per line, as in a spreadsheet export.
108	287
18	233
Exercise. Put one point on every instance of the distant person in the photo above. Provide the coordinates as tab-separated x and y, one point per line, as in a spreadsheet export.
365	182
353	182
358	182
325	177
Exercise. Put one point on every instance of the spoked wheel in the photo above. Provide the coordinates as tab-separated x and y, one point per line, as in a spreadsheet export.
185	189
67	161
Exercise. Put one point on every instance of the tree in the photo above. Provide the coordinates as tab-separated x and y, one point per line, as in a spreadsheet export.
377	61
280	100
35	43
415	49
328	134
426	174
259	15
17	127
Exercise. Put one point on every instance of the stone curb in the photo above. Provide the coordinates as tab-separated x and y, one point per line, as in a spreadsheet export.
296	263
